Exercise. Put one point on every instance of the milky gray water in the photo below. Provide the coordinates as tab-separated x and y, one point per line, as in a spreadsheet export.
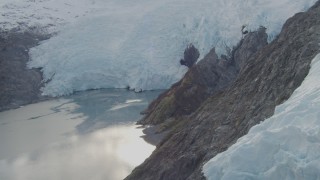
89	135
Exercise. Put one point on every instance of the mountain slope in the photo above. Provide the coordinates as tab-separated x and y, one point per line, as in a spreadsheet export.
268	79
18	85
210	76
285	146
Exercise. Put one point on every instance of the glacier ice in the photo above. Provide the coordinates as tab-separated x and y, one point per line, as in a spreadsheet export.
136	44
45	14
285	146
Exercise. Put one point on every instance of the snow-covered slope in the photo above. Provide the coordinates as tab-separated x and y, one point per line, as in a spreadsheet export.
48	14
120	43
285	146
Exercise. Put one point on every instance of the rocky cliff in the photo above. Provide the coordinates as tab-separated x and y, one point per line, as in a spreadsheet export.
209	76
266	79
18	85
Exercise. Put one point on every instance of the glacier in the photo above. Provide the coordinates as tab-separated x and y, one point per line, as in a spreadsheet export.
136	44
47	15
285	146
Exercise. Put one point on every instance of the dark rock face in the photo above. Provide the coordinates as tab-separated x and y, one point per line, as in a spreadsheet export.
251	43
191	55
266	79
18	85
207	77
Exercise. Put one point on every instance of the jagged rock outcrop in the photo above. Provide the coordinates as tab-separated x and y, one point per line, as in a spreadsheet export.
191	55
18	85
252	42
207	77
267	79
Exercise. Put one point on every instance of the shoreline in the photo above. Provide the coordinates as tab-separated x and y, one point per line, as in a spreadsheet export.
21	86
151	135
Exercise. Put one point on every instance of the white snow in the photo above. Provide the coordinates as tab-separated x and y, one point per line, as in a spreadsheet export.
285	146
48	14
120	43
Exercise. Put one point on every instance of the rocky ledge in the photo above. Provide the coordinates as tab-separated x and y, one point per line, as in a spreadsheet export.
266	78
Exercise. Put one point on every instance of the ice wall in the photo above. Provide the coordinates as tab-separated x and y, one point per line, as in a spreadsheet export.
120	43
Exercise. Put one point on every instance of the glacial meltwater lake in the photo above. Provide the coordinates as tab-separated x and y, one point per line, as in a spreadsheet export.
87	136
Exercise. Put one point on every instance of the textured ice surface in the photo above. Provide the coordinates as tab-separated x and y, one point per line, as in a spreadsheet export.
285	146
51	14
120	43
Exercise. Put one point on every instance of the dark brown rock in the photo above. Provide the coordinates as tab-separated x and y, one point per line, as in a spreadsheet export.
267	79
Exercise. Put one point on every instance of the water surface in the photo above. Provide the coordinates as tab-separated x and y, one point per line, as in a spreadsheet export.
89	135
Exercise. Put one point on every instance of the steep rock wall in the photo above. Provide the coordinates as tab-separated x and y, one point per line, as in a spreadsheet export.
209	76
